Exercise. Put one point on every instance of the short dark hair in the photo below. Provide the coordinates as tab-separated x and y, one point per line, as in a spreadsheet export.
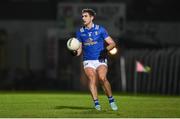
90	11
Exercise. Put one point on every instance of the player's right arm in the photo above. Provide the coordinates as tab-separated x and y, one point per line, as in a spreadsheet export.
78	36
79	51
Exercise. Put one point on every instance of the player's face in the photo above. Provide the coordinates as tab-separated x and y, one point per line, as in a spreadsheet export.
86	18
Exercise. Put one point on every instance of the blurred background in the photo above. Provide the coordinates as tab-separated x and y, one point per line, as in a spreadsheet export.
33	36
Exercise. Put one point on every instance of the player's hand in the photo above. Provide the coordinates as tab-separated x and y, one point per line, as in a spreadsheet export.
73	52
103	55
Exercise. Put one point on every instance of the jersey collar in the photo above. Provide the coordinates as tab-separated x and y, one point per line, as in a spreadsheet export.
90	28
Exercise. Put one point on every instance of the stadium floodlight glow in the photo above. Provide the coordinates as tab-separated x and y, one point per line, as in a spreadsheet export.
113	51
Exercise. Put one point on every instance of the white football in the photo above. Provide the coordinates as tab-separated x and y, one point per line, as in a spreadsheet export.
73	44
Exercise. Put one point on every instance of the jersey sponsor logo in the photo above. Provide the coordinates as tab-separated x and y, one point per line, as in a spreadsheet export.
83	34
90	42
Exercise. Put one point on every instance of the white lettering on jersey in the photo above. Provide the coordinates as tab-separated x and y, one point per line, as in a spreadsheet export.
89	42
83	34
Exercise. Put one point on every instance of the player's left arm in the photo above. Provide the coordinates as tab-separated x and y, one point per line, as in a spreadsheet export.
110	42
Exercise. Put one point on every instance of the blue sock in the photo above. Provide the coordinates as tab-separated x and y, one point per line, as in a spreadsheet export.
111	99
96	102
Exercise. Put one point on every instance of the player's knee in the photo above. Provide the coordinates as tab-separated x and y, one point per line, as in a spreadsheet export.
102	78
91	77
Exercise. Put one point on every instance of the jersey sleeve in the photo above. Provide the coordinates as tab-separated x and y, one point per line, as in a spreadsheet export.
78	36
104	33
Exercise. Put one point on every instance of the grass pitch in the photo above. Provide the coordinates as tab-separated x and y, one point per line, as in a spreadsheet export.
73	105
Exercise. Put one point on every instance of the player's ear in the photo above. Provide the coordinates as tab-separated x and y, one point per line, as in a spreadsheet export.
92	17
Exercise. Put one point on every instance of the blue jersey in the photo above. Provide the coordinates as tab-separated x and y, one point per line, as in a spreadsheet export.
92	41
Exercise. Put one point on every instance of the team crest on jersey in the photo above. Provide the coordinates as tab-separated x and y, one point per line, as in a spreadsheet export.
90	42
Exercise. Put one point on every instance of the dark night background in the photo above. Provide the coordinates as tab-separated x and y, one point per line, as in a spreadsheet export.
31	59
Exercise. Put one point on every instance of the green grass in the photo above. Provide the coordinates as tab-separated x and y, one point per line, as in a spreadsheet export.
66	104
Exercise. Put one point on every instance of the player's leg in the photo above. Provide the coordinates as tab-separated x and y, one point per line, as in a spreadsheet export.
92	82
102	72
91	74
